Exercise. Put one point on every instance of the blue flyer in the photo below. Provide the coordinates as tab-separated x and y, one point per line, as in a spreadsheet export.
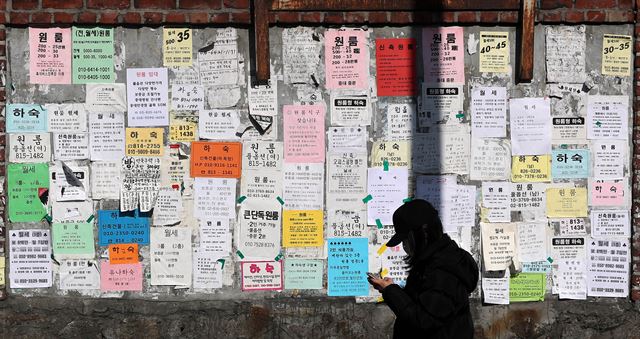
347	267
115	227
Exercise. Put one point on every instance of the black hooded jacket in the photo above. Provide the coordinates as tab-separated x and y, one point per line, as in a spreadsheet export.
435	301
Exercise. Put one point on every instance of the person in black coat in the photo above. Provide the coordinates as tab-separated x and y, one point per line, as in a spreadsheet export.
435	301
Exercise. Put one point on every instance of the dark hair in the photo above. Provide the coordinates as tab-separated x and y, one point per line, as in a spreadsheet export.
421	238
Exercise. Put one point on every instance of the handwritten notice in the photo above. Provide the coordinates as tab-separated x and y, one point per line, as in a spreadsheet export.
395	153
177	47
608	268
30	258
214	198
532	241
24	183
73	240
303	274
218	62
490	159
388	189
144	142
565	54
219	124
396	67
300	55
187	97
616	54
350	110
171	262
347	267
147	97
615	223
304	133
445	48
608	192
262	155
115	227
566	202
527	287
261	275
494	52
302	228
347	58
530	126
93	55
216	159
29	147
343	223
608	117
489	112
123	254
444	149
531	168
498	245
401	121
67	118
26	118
259	228
49	55
105	180
79	275
124	277
608	158
496	290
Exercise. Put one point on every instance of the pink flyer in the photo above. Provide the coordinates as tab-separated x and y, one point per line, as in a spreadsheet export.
346	58
443	54
50	55
121	277
303	133
607	193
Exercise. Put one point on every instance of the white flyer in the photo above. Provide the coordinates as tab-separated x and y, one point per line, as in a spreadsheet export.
350	110
490	159
388	189
259	229
303	186
106	97
489	112
401	121
612	223
219	124
498	245
609	158
147	97
528	196
568	248
346	180
107	136
71	146
443	149
608	268
347	223
496	290
570	279
187	98
565	54
262	155
608	117
30	258
441	103
69	182
170	249
168	209
261	184
301	55
63	212
530	122
218	62
207	271
29	147
496	197
140	183
76	274
215	198
215	238
347	139
532	241
105	180
263	99
67	118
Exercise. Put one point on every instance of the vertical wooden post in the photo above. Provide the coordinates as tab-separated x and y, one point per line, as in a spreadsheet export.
527	36
261	41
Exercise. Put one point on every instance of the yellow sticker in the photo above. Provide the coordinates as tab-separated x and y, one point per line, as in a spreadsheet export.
395	153
145	142
567	202
494	52
616	55
2	266
177	47
181	130
382	249
531	168
384	273
302	228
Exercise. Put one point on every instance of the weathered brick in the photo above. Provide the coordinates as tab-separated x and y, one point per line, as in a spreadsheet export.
198	18
625	4
596	16
334	18
24	4
3	34
87	17
402	18
509	17
109	4
41	18
447	17
152	18
155	4
574	16
132	18
467	17
378	17
19	18
620	16
589	4
62	4
219	18
553	4
489	17
174	18
550	16
200	4
241	17
287	17
63	18
109	18
241	4
312	17
355	17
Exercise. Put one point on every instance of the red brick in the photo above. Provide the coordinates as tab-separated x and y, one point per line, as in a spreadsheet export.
200	4
41	18
87	17
401	17
312	17
242	4
334	18
355	17
132	18
62	4
447	17
378	17
628	4
637	30
219	18
63	18
574	16
635	295
3	35
509	16
467	17
3	140
24	4
620	16
588	4
108	18
175	18
241	18
108	4
550	16
156	4
553	4
3	18
3	97
152	18
489	17
198	18
596	16
19	18
287	17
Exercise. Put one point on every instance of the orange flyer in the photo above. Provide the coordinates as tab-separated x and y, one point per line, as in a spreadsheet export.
216	159
123	254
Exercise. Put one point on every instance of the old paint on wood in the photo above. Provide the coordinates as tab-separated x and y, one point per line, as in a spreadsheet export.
526	50
393	5
261	43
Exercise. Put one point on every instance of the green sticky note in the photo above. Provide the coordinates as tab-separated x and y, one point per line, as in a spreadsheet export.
221	261
23	181
90	219
460	115
385	165
303	274
240	254
278	257
92	55
367	199
241	199
550	260
406	200
280	200
379	223
73	238
527	287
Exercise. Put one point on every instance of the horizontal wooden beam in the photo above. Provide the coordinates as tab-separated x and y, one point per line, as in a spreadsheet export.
394	5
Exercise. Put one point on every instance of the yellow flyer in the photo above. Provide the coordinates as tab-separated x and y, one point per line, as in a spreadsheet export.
531	168
177	47
393	153
494	52
144	142
566	202
302	228
616	55
2	267
181	130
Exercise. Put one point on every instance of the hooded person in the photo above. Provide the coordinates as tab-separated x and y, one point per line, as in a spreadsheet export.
435	301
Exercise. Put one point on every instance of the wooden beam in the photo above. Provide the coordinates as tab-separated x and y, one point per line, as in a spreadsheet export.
526	39
393	5
261	40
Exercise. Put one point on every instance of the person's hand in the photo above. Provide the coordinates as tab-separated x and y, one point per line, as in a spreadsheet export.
379	283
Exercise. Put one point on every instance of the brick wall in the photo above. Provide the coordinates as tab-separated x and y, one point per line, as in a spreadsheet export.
3	99
223	12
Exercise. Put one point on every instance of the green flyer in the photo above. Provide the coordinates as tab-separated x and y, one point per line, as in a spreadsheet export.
92	55
73	239
527	287
23	182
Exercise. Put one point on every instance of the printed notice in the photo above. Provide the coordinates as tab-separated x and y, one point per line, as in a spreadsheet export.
608	117
346	223
183	128
177	47
219	124
350	110
566	202
259	229
396	67
73	240
346	58
568	248
215	198
532	241
528	196
490	159
303	133
168	209
125	277
49	55
107	136
615	223
115	227
607	192
570	279
303	274
498	245
531	168
106	97
346	180
302	228
530	126
207	271
170	256
93	55
123	253
570	164
608	268
494	52
527	287
347	139
568	130
569	226
441	103
263	99
388	190
566	59
394	153
616	54
29	147
445	149
71	146
67	118
30	258
215	238
262	155
347	267
26	118
262	276
79	275
24	184
489	112
144	142
496	290
147	97
140	183
216	159
105	180
264	184
496	197
303	186
444	47
609	158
